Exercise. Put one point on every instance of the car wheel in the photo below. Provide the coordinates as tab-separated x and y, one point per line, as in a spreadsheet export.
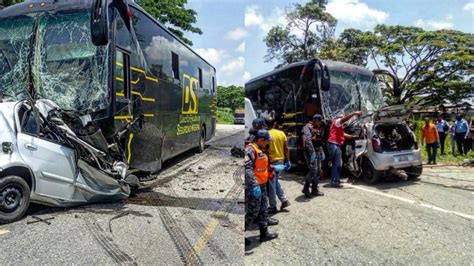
14	198
202	141
369	174
414	172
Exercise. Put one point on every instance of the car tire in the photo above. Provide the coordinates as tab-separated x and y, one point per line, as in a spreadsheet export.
414	172
369	173
202	141
14	198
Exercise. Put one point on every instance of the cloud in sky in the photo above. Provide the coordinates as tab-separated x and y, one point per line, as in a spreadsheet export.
255	18
469	7
241	48
236	34
435	24
213	55
246	77
356	12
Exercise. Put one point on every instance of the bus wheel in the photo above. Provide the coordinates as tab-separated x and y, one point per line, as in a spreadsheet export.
202	141
14	198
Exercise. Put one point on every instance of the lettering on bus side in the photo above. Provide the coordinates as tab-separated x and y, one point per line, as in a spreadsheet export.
190	100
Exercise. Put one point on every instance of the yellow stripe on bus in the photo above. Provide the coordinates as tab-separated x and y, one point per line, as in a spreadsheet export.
139	70
121	94
129	148
133	82
148	115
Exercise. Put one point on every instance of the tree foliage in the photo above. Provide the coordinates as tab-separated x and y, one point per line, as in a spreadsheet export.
172	13
437	65
308	28
230	97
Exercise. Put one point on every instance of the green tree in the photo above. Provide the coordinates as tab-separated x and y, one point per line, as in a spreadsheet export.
308	28
433	66
172	13
230	97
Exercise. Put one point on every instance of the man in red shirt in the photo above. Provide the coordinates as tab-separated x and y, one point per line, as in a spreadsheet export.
335	141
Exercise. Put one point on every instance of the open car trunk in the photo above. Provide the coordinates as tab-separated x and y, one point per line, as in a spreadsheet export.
394	137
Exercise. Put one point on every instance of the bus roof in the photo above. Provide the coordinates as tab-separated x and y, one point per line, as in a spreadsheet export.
332	65
33	6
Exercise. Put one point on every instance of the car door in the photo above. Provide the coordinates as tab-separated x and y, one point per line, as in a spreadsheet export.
53	165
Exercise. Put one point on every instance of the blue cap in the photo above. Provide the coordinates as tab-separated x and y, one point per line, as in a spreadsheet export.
318	117
258	122
262	133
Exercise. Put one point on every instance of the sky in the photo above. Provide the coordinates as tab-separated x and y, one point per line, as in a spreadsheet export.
233	30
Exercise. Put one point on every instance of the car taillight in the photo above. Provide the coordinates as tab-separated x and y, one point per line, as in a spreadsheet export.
376	145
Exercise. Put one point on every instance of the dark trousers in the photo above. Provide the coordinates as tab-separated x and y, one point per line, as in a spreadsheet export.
460	142
256	209
431	149
442	139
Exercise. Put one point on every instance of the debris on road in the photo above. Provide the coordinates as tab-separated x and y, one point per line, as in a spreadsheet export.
38	219
237	152
116	217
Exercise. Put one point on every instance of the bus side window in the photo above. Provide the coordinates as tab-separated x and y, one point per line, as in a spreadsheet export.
213	84
175	65
200	77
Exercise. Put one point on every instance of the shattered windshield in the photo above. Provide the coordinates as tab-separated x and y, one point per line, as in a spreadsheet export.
350	92
67	67
15	35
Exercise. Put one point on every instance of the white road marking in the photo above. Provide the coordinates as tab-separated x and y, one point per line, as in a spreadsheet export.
4	232
429	206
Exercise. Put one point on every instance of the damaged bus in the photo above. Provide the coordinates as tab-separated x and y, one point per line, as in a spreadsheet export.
295	92
91	91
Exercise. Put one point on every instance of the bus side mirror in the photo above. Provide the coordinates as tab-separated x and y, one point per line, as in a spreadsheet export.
325	78
99	23
397	92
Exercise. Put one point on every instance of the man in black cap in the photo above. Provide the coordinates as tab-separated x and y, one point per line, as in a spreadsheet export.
256	179
313	134
257	124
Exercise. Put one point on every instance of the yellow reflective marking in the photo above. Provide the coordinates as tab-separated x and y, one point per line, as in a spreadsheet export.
120	94
148	115
285	115
133	82
120	79
129	147
139	70
124	117
143	98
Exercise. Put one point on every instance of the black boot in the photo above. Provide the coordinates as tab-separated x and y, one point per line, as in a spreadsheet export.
305	190
247	242
272	221
266	236
315	191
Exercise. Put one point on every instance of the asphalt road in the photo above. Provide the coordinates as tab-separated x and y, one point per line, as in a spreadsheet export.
191	214
429	221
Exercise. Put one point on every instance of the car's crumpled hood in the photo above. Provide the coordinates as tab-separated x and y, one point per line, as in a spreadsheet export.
393	114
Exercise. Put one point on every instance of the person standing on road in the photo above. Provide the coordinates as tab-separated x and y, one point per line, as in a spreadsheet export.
461	132
257	124
313	152
430	134
443	128
452	136
256	178
279	156
335	141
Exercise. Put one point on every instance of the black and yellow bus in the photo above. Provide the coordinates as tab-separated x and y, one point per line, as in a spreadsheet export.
109	62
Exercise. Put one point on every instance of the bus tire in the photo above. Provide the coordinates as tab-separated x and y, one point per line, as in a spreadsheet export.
14	198
202	140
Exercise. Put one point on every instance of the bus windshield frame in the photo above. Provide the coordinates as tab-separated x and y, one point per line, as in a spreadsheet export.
55	50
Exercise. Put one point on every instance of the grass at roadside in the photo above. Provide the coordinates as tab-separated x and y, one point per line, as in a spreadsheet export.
225	116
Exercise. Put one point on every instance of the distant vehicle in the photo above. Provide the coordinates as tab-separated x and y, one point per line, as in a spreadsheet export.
239	116
298	91
106	66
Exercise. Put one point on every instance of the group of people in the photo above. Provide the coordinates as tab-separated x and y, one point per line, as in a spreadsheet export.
434	135
267	156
